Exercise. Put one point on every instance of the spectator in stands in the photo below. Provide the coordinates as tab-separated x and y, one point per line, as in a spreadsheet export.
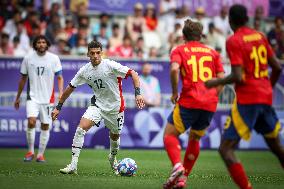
125	50
167	15
277	33
176	38
5	46
24	42
135	24
105	20
150	16
10	25
153	53
60	48
216	40
139	50
52	25
81	47
200	16
69	27
276	49
82	33
115	40
32	19
36	31
221	22
101	37
150	87
18	51
258	22
182	14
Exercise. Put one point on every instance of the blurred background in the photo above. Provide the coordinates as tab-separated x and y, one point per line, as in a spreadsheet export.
136	33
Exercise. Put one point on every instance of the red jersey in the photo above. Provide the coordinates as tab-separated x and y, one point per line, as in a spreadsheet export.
198	63
251	50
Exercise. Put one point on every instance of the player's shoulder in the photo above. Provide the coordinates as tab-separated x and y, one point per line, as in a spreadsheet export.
30	55
51	55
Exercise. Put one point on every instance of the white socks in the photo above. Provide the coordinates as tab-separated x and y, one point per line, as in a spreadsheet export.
114	146
30	134
77	145
43	140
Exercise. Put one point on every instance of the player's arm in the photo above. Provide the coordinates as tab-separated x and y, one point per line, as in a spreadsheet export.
220	87
60	81
276	69
174	74
67	92
21	86
138	97
234	77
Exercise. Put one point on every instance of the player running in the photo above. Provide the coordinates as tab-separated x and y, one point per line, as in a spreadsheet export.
104	76
250	54
196	104
39	68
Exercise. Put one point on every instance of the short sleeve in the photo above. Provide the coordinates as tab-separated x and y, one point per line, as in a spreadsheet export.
78	78
234	52
119	70
57	65
176	56
24	67
218	63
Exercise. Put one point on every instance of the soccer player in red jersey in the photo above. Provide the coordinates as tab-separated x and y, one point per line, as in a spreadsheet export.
250	54
196	104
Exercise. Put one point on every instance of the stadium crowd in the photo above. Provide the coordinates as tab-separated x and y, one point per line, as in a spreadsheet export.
150	32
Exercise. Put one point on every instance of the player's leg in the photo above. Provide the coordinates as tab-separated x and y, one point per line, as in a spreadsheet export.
276	148
32	113
43	140
269	126
174	128
238	125
114	122
45	118
234	166
90	118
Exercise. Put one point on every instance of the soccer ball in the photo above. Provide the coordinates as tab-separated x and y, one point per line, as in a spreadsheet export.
127	167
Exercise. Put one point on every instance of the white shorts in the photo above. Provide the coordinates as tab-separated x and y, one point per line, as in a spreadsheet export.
43	110
114	122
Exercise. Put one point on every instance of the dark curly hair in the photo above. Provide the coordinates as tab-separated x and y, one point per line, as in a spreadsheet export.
37	38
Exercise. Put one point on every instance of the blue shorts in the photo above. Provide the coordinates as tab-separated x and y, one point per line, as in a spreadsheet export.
244	118
184	118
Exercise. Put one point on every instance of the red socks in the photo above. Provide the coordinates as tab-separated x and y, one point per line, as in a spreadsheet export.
191	155
239	176
173	148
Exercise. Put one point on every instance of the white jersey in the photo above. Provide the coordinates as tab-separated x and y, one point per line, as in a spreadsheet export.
40	71
105	80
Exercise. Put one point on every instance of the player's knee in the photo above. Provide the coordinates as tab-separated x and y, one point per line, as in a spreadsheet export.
44	127
191	157
114	137
31	123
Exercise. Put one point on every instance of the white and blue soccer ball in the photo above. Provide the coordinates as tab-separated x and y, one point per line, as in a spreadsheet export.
127	167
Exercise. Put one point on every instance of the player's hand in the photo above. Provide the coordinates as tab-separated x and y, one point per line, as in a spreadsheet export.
174	98
54	114
140	101
17	104
211	83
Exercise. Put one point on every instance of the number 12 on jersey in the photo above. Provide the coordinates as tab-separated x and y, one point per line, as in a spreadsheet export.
199	69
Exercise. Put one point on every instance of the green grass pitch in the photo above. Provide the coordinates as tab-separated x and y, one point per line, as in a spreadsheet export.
263	170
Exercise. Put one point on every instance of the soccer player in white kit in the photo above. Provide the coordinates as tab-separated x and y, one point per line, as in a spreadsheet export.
39	68
104	77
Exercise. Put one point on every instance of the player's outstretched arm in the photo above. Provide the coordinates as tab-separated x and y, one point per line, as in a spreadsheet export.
138	97
174	74
62	99
60	81
234	77
21	86
276	70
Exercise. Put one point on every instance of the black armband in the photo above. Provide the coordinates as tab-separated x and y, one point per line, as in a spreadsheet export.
137	91
59	106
